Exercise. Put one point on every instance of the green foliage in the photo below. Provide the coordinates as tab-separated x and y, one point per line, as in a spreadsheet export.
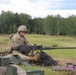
4	39
9	21
50	25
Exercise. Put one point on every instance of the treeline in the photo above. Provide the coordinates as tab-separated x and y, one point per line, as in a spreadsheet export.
50	25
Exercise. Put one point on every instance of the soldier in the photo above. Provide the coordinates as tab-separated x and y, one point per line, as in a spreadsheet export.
19	39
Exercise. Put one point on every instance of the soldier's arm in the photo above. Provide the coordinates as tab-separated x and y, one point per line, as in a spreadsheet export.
13	44
16	42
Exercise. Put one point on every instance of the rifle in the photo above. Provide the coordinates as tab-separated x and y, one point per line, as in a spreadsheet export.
26	49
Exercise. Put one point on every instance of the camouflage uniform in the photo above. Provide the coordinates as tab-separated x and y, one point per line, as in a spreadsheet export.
17	40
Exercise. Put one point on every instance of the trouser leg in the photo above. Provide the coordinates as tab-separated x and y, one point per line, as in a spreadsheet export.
24	57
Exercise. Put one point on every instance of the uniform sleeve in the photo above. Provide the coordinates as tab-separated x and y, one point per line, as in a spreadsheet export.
14	42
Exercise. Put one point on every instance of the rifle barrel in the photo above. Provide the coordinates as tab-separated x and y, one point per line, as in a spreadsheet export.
45	48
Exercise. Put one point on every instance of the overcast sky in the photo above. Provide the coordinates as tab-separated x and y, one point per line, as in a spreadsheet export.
40	8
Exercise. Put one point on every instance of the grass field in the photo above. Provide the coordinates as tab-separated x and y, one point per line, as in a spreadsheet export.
62	56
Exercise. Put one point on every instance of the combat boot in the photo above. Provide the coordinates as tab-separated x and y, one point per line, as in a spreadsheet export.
35	58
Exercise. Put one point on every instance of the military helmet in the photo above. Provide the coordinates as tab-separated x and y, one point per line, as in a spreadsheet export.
22	28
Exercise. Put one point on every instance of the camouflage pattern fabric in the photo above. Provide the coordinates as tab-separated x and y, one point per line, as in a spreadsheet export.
22	28
17	40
